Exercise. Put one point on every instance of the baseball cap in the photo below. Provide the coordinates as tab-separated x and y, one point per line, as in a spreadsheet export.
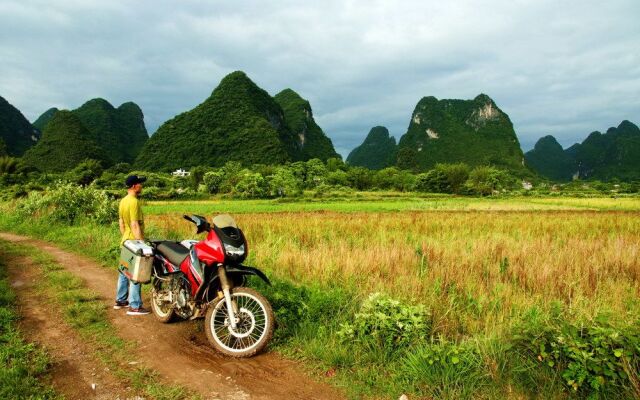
134	179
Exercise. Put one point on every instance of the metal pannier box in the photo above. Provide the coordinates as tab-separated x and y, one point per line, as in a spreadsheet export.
136	260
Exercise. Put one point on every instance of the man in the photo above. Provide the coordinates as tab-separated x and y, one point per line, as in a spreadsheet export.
131	227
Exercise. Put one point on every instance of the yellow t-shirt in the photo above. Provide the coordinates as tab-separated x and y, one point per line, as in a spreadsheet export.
130	210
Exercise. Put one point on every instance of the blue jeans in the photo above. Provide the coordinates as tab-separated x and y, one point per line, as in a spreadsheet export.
128	290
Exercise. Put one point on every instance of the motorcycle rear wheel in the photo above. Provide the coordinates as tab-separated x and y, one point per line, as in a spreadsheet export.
164	313
254	328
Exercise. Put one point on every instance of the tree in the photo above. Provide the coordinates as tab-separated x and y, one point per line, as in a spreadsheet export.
213	181
434	181
231	171
385	178
338	177
121	168
316	173
444	178
457	175
360	178
334	164
86	172
284	183
486	180
250	185
196	175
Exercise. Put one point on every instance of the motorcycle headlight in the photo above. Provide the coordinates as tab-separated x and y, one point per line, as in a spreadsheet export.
233	250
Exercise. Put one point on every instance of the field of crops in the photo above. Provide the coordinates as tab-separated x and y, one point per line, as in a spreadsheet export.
482	298
473	269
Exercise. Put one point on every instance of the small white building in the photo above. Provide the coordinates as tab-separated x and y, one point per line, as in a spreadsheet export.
527	185
181	173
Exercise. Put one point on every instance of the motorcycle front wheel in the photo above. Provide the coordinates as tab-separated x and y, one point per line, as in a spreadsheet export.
254	325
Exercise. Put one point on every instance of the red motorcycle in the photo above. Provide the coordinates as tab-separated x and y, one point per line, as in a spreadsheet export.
193	278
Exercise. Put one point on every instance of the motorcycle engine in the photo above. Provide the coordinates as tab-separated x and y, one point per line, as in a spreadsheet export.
181	295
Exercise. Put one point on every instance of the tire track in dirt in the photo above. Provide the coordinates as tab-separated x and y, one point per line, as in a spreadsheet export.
73	371
178	352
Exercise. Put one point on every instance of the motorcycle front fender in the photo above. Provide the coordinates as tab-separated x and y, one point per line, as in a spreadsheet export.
247	270
204	292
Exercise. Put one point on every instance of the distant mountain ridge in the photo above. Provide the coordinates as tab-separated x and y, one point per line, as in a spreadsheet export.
41	122
612	155
475	132
65	143
110	135
312	141
17	134
120	132
378	150
238	122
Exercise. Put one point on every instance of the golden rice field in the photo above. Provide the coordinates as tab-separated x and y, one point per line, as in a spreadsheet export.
474	269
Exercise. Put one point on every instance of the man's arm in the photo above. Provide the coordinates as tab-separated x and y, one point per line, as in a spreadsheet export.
121	223
137	230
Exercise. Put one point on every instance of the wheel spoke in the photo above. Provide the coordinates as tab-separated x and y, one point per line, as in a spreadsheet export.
251	326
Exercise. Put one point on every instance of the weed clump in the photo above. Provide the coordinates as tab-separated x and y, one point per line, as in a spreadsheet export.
444	369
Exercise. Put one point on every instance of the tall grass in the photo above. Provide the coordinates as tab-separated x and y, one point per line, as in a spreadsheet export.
474	270
480	274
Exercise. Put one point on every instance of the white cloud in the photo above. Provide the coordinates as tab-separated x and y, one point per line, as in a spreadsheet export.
563	68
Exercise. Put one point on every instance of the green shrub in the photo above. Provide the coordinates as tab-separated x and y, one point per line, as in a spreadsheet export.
594	359
387	323
69	203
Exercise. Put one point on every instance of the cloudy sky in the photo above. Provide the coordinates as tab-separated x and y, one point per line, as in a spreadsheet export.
556	67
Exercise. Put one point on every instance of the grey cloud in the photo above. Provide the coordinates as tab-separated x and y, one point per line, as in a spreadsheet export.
563	68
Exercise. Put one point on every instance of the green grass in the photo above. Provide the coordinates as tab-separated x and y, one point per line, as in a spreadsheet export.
83	310
460	353
23	365
381	203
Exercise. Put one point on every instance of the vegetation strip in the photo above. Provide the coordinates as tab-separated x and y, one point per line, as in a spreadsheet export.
85	313
23	366
468	296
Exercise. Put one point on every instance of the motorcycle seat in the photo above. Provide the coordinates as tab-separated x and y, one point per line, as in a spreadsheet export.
172	251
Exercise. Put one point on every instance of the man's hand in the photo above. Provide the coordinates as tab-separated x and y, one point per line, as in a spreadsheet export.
136	230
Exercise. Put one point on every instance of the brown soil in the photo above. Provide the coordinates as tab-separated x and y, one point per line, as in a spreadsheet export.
177	351
74	372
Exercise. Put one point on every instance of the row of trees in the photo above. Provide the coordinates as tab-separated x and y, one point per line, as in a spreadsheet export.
289	180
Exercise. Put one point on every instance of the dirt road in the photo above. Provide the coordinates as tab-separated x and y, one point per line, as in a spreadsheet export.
178	351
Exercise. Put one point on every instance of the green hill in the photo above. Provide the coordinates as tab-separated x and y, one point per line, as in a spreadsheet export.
120	132
475	132
15	130
43	119
378	150
238	122
64	144
612	155
549	160
312	141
